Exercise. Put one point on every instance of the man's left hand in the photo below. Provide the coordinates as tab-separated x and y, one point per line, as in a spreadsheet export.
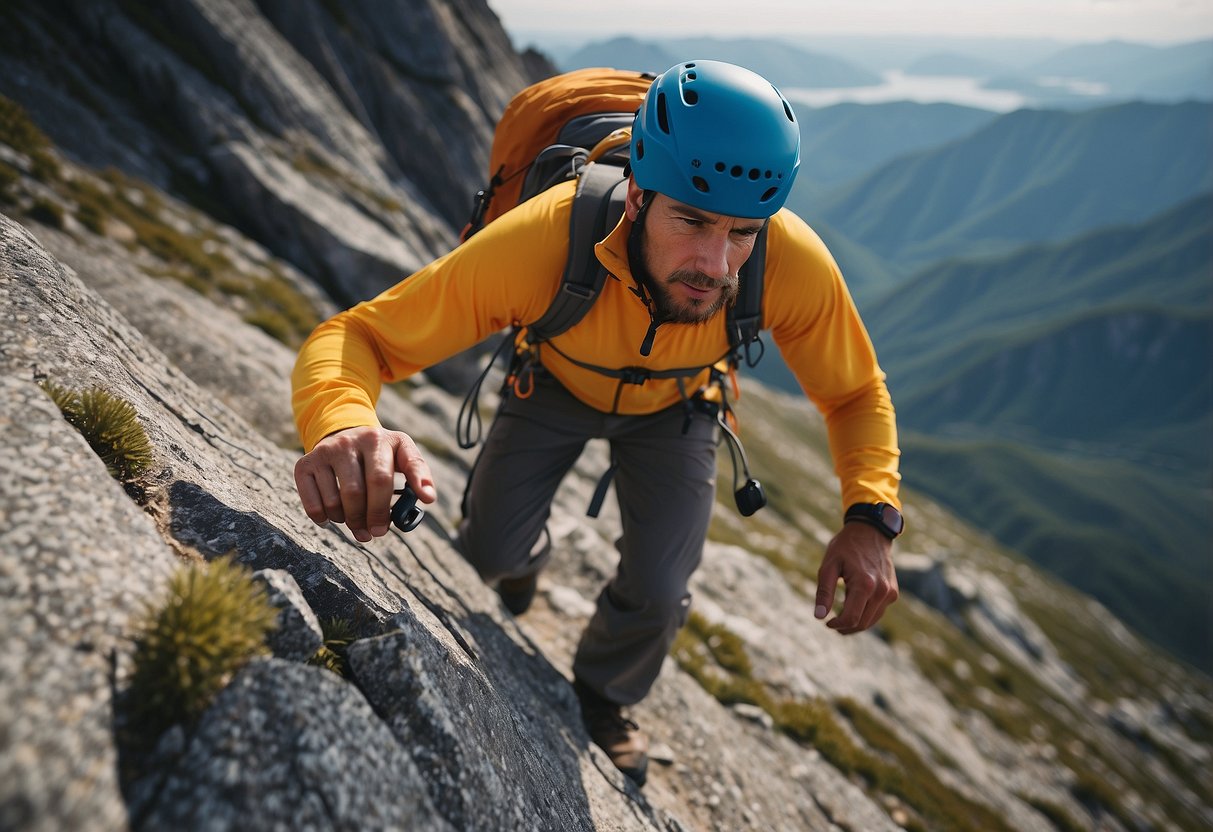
862	558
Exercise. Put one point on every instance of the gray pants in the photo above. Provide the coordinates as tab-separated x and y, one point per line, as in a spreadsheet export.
666	486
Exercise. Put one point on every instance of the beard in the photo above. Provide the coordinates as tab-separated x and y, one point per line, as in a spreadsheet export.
666	307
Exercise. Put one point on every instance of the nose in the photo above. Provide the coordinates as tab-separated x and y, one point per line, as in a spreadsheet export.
712	256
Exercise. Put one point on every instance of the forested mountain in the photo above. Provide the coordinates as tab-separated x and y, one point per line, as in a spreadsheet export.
843	142
1069	389
1029	176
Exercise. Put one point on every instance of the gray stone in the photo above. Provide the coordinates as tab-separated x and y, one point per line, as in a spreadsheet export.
287	746
298	635
78	562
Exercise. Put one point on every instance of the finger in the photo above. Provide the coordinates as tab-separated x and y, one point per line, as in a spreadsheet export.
379	467
860	588
827	585
876	606
309	494
330	494
416	470
352	481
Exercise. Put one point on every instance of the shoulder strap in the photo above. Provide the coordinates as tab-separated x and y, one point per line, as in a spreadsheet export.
744	318
597	207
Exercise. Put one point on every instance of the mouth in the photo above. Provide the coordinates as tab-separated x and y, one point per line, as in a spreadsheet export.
697	290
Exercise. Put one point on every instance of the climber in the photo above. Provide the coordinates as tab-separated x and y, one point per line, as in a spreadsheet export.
714	151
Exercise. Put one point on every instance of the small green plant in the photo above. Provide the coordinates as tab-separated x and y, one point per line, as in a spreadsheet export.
111	427
9	177
338	635
20	133
46	212
211	621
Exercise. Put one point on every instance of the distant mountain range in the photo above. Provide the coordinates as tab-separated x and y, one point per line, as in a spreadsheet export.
781	63
1133	70
1048	74
1029	176
845	141
1063	397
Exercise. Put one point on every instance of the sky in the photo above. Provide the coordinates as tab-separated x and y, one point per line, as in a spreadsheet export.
1144	21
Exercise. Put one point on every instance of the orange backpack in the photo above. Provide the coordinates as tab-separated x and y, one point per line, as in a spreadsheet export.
550	130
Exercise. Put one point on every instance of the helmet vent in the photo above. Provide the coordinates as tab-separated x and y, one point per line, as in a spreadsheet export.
766	196
691	97
663	117
639	149
787	109
735	171
754	174
700	184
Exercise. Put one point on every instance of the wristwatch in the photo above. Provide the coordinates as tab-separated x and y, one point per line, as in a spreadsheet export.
883	516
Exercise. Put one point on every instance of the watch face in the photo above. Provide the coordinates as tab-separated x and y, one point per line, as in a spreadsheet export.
892	518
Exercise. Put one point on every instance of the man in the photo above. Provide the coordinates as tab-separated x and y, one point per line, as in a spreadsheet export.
714	151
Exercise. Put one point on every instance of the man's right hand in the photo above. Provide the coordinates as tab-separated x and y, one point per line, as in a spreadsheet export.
348	478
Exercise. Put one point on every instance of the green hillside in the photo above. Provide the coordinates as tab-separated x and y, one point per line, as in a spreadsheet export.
846	141
1128	536
1068	393
1112	377
1165	260
1030	176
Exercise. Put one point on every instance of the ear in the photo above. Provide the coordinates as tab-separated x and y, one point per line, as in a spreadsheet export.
634	200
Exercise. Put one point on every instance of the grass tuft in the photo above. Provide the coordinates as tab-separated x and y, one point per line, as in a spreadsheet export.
111	427
211	621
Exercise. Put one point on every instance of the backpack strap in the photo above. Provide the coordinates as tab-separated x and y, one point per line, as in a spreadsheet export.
744	317
597	208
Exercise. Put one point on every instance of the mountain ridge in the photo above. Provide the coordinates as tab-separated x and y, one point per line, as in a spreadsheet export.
1013	181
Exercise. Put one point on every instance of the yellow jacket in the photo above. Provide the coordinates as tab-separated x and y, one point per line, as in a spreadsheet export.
509	273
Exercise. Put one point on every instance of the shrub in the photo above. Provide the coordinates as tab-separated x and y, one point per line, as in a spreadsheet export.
211	621
46	212
20	133
111	427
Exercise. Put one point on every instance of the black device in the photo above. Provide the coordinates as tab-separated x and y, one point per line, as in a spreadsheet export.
750	497
405	513
883	516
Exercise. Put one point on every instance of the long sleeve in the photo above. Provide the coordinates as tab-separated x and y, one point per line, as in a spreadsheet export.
817	328
507	273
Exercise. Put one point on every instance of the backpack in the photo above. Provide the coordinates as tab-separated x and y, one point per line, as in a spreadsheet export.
578	126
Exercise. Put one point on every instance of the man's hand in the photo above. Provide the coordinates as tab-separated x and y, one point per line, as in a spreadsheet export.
348	478
862	557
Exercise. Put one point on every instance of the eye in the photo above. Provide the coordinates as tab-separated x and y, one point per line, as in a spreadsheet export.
691	221
746	232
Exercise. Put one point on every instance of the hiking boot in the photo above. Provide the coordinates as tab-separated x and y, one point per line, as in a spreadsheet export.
618	736
518	593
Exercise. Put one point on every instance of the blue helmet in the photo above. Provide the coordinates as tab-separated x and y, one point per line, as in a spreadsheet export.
717	137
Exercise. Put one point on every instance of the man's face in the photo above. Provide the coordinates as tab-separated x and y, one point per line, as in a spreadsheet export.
692	257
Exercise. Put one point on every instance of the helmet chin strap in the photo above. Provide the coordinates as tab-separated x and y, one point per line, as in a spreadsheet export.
640	272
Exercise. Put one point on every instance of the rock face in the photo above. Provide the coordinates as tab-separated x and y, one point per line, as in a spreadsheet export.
349	138
313	147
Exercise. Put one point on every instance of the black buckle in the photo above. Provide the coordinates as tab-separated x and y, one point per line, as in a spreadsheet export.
405	513
634	375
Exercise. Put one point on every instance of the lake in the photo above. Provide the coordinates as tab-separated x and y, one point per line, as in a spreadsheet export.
925	89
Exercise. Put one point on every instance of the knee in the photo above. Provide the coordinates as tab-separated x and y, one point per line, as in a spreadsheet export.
494	557
663	606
